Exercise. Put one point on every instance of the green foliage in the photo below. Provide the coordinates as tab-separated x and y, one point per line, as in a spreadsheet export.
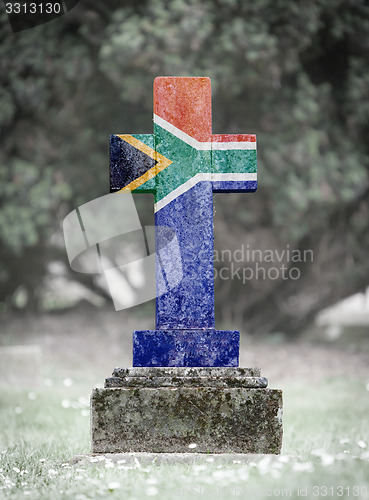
295	73
267	63
31	199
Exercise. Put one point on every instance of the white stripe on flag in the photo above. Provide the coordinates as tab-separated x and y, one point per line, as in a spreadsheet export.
201	145
202	177
247	176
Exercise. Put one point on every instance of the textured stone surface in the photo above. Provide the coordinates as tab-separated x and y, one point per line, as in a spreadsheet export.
197	371
193	347
189	377
251	382
217	420
182	163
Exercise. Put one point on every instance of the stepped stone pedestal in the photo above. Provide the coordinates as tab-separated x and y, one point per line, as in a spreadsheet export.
165	409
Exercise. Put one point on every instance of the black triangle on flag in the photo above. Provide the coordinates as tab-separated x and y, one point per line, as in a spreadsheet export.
127	163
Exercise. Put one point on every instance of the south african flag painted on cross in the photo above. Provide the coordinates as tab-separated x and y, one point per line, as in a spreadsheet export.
183	163
182	151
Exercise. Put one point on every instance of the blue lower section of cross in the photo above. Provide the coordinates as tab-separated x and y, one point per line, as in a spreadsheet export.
234	186
195	347
190	304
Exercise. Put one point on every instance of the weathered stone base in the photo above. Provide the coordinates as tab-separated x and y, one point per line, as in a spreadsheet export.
220	410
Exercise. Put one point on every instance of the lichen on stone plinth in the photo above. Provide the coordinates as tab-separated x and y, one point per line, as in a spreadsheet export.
220	410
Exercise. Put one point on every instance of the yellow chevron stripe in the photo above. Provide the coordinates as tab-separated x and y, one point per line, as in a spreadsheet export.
161	162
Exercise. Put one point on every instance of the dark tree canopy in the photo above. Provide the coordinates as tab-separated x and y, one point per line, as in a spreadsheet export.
294	73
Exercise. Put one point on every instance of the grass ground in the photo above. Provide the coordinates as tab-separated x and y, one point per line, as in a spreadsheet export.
325	451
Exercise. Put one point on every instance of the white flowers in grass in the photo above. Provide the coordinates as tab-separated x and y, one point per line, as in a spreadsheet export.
114	485
327	460
151	491
208	470
68	382
7	482
303	467
199	467
82	404
192	446
220	473
21	472
262	465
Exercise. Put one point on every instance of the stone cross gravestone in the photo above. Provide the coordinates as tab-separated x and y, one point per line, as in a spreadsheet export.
193	163
185	386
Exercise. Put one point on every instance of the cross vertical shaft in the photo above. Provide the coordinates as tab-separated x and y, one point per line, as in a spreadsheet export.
185	104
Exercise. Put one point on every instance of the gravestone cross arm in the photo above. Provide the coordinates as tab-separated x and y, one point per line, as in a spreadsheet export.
183	163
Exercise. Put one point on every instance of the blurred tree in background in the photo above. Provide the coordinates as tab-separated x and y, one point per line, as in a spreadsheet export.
294	73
